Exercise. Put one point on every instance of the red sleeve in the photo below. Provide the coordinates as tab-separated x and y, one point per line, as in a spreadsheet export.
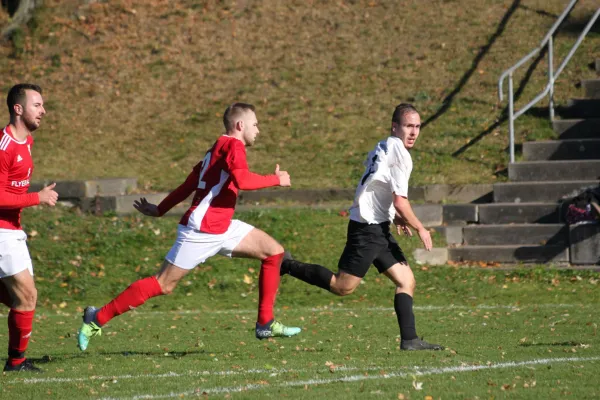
12	200
182	192
246	180
240	173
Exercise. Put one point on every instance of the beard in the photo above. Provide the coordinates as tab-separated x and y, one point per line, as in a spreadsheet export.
30	123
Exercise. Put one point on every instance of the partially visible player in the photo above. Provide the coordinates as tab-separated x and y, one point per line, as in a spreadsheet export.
207	229
17	287
381	197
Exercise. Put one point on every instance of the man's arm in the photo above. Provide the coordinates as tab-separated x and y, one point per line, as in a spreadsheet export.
246	180
405	211
178	195
11	200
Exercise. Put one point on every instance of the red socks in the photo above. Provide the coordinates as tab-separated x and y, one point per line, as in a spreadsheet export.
134	296
268	283
19	332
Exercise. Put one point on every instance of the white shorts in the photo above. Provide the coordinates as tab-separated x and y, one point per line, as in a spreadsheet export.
14	255
193	247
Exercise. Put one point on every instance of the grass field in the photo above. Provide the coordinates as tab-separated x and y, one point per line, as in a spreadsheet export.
139	87
521	333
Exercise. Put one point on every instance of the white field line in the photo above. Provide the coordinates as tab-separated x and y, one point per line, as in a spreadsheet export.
272	372
418	371
338	309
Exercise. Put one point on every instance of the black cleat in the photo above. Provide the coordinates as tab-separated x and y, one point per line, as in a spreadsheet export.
419	344
24	366
284	269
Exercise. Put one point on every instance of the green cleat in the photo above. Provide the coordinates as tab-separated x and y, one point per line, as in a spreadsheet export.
88	329
275	329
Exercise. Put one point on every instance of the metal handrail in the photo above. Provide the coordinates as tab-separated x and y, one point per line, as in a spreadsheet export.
547	41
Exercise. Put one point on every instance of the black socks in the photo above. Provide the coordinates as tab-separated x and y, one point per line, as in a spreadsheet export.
313	274
403	304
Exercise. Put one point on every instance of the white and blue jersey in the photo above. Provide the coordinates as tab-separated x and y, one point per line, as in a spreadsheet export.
388	167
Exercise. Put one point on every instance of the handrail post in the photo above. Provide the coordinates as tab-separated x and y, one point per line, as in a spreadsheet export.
511	121
551	78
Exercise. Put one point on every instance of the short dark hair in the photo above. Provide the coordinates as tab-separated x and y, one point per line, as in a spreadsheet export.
401	110
233	112
17	95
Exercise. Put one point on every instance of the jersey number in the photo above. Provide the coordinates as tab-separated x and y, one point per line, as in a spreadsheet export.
370	170
205	163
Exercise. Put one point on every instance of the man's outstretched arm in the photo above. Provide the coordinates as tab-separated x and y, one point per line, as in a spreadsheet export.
178	195
404	209
246	180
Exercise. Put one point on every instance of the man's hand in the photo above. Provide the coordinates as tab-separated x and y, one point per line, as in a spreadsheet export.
146	208
425	238
284	177
48	196
402	226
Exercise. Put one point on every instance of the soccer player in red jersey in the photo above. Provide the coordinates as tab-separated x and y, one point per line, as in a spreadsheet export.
207	229
17	288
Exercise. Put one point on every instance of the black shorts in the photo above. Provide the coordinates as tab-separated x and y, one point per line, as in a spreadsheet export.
368	244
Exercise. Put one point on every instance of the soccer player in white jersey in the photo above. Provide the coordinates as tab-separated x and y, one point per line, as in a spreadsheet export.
381	197
17	287
207	229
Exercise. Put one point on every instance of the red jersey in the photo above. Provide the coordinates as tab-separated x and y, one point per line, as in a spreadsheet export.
216	180
16	166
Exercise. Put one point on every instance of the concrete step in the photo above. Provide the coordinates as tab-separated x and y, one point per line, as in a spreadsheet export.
68	190
529	234
559	170
510	254
518	213
581	108
585	244
546	192
577	128
591	88
459	214
573	149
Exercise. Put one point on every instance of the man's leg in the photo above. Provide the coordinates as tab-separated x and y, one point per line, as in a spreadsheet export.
363	244
404	279
21	290
259	245
134	296
342	283
313	274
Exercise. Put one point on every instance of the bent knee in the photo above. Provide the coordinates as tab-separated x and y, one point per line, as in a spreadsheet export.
407	285
167	288
342	291
28	299
274	249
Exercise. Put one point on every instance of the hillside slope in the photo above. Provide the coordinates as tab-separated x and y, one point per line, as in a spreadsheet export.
137	88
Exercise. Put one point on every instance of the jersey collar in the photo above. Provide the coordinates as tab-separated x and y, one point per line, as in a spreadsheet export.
10	134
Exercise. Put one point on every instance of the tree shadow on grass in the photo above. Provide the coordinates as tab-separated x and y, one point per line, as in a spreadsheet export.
566	344
170	354
504	113
570	25
447	102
